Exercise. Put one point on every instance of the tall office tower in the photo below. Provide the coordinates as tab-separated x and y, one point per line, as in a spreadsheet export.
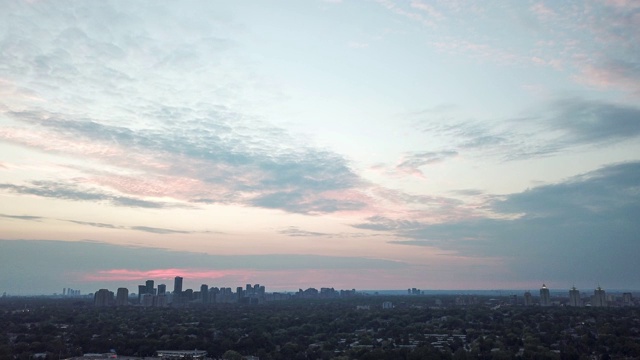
162	289
528	299
102	297
599	298
204	293
64	291
142	289
627	299
150	289
240	294
177	285
545	297
122	297
574	297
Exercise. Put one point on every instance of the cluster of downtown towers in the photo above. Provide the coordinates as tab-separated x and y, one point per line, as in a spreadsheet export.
149	296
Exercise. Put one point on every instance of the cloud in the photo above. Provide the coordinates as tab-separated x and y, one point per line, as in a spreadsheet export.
210	162
613	74
593	122
22	217
154	230
159	230
571	230
381	223
66	191
559	126
411	163
297	232
201	143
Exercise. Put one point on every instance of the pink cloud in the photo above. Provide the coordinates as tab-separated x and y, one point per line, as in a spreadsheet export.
542	10
163	274
428	9
630	4
611	76
416	16
482	52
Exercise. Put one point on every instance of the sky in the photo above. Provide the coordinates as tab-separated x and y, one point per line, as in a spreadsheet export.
384	144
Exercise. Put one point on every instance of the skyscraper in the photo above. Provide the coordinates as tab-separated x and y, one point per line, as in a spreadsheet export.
102	297
204	293
599	298
162	289
142	289
122	297
150	289
545	297
177	285
574	297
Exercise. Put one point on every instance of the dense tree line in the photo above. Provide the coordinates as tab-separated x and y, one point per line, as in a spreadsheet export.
320	329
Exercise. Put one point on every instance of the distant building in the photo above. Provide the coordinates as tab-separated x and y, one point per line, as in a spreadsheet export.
150	289
545	297
103	297
204	293
162	289
599	298
574	297
122	297
387	305
142	289
528	299
177	290
627	299
177	285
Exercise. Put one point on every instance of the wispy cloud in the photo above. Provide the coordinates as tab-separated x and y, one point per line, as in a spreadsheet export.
297	232
561	125
67	191
411	163
155	230
22	217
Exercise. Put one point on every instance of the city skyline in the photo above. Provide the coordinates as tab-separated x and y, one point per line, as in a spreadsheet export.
385	144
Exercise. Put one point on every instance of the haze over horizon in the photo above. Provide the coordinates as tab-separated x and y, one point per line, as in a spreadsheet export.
381	144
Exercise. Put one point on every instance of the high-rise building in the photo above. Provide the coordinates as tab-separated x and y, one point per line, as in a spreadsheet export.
177	285
627	299
142	289
599	298
103	297
204	293
545	297
574	297
162	289
150	289
528	299
122	297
